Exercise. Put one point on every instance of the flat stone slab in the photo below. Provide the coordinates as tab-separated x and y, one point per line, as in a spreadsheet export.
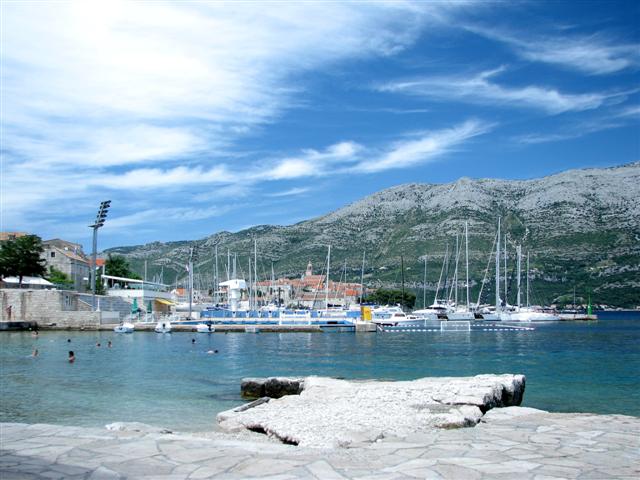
508	443
330	412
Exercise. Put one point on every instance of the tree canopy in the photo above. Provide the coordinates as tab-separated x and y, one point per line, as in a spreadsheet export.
384	296
59	277
118	266
21	257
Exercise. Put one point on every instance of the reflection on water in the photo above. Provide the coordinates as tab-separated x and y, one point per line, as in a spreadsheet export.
166	380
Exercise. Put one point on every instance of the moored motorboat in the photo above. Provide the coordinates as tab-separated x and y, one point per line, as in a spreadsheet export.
163	327
426	314
392	316
526	314
205	328
124	327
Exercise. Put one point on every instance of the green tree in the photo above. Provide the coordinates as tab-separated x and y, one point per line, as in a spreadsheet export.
59	277
21	257
99	285
385	296
118	266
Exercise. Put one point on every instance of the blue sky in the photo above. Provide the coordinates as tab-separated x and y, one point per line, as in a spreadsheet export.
199	117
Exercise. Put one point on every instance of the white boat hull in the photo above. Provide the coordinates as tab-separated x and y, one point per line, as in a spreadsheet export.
204	328
124	328
528	317
460	316
163	327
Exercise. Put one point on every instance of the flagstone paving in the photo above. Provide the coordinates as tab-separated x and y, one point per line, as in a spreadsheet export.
507	444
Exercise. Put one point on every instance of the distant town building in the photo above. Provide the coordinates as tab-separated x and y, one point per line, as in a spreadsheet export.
309	291
4	236
69	258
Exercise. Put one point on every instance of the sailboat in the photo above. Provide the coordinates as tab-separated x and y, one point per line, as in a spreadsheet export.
440	307
462	312
425	313
525	314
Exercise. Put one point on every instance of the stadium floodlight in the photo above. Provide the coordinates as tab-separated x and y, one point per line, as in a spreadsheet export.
99	222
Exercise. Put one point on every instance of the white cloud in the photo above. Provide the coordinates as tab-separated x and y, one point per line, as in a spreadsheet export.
168	215
311	163
124	74
429	146
480	89
631	111
292	192
593	54
136	96
614	119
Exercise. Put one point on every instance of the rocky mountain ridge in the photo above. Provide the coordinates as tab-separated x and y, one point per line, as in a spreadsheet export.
582	228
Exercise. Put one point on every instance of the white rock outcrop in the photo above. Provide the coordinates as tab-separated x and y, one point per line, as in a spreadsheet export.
330	412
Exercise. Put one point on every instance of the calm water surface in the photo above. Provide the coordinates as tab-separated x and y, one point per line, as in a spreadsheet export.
166	380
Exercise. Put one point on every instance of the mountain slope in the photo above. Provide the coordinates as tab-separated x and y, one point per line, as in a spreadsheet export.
582	228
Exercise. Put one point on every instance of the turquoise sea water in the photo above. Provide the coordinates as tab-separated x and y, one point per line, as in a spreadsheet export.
166	380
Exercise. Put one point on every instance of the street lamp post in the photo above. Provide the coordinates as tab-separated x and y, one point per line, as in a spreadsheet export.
100	218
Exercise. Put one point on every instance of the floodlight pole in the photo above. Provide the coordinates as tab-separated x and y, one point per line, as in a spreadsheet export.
92	277
100	219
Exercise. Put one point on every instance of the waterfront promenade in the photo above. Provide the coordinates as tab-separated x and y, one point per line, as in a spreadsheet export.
507	444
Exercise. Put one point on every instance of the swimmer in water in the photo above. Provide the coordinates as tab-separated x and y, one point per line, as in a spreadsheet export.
72	357
109	344
193	340
98	344
35	352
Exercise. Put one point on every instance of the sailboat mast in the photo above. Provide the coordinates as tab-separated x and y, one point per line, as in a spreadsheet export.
528	278
327	282
255	272
498	269
466	246
228	265
190	281
505	270
424	285
444	261
250	284
519	254
455	273
362	278
217	279
402	269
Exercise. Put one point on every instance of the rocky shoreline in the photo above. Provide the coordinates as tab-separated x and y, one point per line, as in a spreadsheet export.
327	412
396	430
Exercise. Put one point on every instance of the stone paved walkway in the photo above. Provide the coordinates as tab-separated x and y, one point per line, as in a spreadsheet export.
510	443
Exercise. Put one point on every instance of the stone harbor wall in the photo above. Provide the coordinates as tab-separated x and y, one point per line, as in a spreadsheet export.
326	412
47	307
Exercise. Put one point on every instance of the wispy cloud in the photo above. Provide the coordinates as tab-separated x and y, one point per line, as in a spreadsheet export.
148	96
593	54
615	119
481	89
292	192
427	147
123	82
312	162
631	111
168	215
